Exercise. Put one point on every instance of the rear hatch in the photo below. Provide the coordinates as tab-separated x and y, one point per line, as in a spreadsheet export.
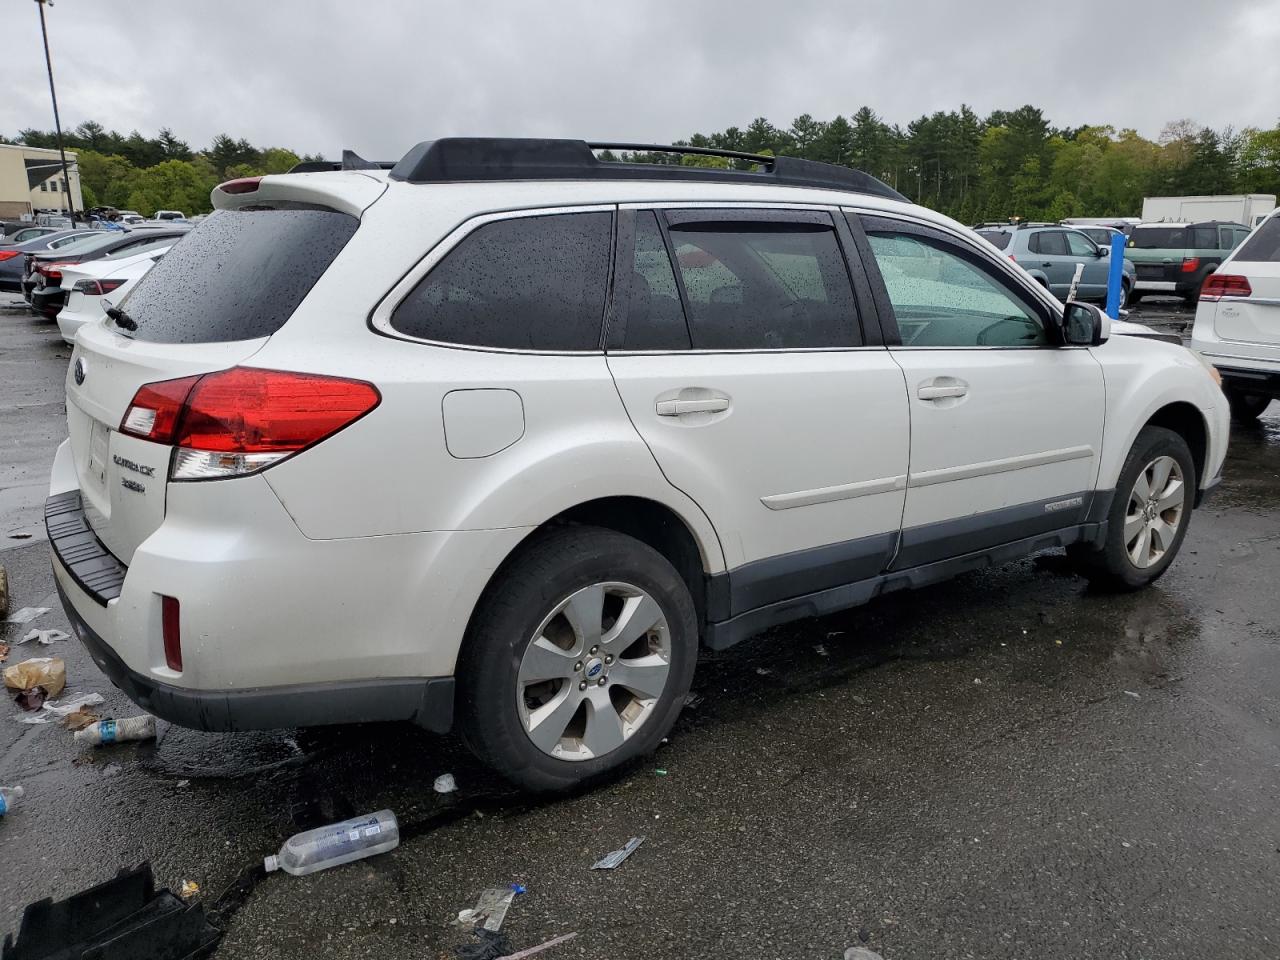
210	304
1157	252
1252	317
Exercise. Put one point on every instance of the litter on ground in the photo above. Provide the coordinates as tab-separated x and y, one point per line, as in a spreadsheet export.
45	637
62	709
117	731
48	674
27	614
445	783
612	859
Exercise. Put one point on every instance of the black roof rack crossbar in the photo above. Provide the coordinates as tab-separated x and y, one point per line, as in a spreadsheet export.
459	159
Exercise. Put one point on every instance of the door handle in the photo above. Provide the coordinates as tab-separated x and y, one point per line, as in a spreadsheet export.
677	408
942	388
1047	263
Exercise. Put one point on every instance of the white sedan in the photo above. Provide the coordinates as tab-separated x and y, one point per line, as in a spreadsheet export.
97	285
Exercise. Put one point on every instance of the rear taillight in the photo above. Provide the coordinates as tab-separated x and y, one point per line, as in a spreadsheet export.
51	271
1190	264
242	185
1013	258
243	420
171	632
9	254
96	288
1219	285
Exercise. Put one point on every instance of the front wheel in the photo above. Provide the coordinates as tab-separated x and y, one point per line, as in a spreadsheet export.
1246	407
578	659
1149	516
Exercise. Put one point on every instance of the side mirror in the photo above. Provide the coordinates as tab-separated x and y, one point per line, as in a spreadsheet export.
1104	251
1084	325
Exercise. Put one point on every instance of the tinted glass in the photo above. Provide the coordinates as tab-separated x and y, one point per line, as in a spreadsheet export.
1052	243
941	299
765	286
1080	245
1263	246
655	319
1203	238
142	246
997	238
238	277
89	244
1158	238
530	283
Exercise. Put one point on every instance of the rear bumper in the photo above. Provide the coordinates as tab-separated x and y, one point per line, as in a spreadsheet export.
427	701
48	302
1264	383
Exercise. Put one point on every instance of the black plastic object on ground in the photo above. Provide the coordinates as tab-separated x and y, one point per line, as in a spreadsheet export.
122	919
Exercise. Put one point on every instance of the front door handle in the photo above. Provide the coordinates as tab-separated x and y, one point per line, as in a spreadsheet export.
1047	263
678	408
942	388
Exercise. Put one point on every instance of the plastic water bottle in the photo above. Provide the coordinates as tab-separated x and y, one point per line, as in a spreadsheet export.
336	844
7	796
117	731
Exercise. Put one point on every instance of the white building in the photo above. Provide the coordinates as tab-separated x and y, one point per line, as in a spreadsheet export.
31	181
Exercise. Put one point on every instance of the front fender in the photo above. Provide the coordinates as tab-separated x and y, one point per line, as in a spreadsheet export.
1142	377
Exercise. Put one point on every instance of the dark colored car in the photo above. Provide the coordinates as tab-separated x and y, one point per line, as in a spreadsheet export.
42	283
13	257
1175	258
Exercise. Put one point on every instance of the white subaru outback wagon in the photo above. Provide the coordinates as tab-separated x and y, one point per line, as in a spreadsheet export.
493	439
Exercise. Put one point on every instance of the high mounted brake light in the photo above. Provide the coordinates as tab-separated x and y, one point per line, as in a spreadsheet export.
1219	285
239	421
242	185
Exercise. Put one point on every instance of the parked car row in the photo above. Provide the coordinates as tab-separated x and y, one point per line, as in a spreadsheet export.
1050	252
72	276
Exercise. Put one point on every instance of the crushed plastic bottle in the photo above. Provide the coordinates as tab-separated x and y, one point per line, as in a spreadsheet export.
117	731
7	796
336	844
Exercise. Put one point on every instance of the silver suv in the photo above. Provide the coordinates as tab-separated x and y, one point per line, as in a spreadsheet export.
1050	252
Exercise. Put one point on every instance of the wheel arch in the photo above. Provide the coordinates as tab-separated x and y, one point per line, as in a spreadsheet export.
1186	420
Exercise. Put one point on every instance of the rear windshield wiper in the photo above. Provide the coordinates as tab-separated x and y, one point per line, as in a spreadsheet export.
122	319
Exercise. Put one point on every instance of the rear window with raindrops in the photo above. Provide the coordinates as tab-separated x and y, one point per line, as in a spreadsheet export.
237	276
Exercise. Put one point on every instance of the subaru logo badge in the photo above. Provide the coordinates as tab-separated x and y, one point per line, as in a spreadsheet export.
79	371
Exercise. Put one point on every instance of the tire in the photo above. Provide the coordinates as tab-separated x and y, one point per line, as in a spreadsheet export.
1246	407
555	733
1112	564
1124	295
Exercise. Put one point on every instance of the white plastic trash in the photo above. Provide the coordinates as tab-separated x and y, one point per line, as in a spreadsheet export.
117	731
7	797
445	783
336	844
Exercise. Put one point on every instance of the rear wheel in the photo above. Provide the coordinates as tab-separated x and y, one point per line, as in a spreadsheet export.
578	659
1149	516
1246	407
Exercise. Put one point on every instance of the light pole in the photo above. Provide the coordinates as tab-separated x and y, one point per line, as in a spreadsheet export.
57	122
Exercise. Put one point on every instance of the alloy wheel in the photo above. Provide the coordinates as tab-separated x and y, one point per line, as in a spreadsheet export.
1154	513
594	671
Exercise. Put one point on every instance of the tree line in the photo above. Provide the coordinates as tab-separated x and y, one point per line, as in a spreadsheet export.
1009	163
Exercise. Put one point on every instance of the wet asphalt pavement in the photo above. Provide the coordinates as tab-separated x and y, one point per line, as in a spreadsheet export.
1006	765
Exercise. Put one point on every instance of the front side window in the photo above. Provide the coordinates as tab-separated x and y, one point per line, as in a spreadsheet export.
942	298
528	283
764	285
1080	245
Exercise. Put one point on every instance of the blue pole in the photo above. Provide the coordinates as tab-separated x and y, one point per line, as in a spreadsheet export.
1116	278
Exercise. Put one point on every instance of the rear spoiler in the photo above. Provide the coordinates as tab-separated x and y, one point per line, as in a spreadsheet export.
350	161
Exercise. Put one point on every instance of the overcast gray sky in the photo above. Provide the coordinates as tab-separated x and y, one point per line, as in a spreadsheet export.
379	75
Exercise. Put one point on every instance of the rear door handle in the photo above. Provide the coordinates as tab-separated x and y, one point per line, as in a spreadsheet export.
676	408
942	388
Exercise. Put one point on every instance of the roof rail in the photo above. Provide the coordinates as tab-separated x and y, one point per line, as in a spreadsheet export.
455	159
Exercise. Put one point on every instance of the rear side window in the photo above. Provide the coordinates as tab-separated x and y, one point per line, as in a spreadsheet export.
238	276
1203	238
764	285
1049	242
529	283
1158	238
1264	245
655	318
997	238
